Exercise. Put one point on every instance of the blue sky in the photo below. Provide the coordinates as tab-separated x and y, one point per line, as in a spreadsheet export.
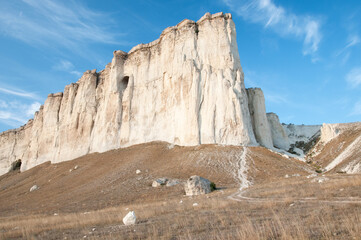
305	55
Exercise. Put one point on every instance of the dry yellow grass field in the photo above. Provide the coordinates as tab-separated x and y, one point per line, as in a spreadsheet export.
90	202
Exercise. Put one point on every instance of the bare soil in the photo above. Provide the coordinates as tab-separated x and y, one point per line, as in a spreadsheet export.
90	201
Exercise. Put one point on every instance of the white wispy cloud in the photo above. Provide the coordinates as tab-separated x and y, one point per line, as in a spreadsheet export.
67	66
16	113
51	22
11	119
352	41
19	93
32	109
63	65
353	78
3	104
275	98
281	21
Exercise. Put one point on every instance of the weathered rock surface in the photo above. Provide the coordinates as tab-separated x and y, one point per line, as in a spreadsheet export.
197	185
279	135
172	182
297	139
185	88
257	109
300	133
130	218
344	140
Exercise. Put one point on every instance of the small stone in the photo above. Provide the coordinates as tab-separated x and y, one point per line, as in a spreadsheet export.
195	204
138	171
172	182
33	188
76	167
160	181
312	175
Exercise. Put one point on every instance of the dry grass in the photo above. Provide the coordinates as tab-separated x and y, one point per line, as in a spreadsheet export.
334	187
92	200
214	218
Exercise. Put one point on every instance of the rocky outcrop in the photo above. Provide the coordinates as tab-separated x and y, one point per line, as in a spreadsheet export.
300	133
279	135
338	148
257	109
185	88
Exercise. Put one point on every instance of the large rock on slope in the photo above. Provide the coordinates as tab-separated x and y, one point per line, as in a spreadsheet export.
197	185
185	88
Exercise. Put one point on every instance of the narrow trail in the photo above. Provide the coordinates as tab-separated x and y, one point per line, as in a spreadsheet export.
242	170
245	184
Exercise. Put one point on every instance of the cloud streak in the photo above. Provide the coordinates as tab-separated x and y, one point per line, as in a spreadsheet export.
44	23
19	93
281	21
353	78
67	66
16	113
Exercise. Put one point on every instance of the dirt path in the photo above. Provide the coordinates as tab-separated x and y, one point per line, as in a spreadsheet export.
245	185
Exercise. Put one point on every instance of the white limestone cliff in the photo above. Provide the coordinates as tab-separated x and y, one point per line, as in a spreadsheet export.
300	133
279	135
185	88
257	109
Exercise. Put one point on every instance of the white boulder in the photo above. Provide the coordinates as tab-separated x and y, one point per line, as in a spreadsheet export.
197	185
130	218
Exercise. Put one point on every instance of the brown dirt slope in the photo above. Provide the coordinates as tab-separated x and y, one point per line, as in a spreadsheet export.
344	143
109	179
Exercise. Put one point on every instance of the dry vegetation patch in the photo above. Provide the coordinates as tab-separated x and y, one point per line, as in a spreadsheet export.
92	199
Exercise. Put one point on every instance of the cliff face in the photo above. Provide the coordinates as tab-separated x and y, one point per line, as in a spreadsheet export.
257	109
279	135
185	88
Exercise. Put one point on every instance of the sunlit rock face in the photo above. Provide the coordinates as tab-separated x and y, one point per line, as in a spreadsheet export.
185	88
279	135
259	120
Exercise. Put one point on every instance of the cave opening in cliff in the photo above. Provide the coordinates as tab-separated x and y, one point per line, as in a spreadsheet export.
125	81
16	165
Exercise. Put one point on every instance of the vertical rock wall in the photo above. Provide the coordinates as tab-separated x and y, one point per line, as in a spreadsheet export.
257	110
279	135
185	88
